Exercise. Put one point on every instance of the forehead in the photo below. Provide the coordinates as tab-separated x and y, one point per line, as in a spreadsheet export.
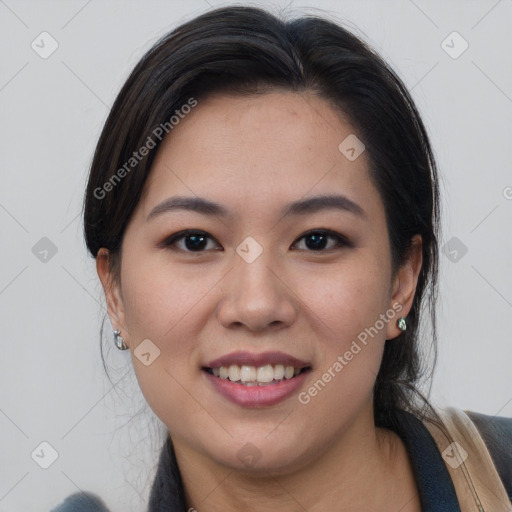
259	152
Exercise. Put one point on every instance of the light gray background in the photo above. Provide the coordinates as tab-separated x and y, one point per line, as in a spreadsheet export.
52	384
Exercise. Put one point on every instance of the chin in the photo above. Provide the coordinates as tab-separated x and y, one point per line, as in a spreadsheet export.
259	455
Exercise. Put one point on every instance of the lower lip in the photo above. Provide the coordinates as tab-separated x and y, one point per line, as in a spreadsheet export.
256	396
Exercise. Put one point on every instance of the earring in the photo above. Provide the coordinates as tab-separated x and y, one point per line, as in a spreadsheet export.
119	341
401	324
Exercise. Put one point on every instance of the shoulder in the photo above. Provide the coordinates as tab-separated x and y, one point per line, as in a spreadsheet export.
496	428
496	432
81	502
481	442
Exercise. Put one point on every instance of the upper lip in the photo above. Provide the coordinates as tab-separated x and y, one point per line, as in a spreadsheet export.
241	358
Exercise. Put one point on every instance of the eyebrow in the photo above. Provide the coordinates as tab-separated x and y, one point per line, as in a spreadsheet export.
300	207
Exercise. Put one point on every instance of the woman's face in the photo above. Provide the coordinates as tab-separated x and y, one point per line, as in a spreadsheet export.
268	286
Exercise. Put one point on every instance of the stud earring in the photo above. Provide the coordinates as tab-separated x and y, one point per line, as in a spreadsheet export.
402	325
119	341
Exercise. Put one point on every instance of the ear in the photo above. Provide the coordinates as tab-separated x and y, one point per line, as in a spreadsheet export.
404	286
112	292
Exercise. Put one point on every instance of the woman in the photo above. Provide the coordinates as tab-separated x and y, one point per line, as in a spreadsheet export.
263	207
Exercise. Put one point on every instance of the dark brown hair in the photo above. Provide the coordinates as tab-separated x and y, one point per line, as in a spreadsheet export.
244	50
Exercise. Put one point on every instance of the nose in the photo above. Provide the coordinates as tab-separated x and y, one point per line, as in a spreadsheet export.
256	296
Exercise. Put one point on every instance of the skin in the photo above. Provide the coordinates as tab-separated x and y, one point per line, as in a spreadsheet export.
253	155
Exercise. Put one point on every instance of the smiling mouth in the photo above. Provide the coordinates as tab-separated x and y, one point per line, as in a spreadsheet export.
256	375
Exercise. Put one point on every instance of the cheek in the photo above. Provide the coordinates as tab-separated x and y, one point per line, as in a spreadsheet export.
165	307
159	300
346	308
350	298
349	352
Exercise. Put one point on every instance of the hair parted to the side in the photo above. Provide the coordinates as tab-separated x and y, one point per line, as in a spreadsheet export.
248	50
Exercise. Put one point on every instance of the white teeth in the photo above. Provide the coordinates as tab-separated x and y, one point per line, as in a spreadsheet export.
234	373
247	373
265	373
252	375
288	372
278	372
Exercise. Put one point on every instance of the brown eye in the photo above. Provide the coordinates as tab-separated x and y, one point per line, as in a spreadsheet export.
318	240
190	241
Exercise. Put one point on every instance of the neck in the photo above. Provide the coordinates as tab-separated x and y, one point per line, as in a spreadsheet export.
365	469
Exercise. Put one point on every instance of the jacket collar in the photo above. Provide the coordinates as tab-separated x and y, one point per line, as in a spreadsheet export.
437	493
167	491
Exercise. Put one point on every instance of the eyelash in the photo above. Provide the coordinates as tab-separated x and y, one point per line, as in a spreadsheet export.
341	241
